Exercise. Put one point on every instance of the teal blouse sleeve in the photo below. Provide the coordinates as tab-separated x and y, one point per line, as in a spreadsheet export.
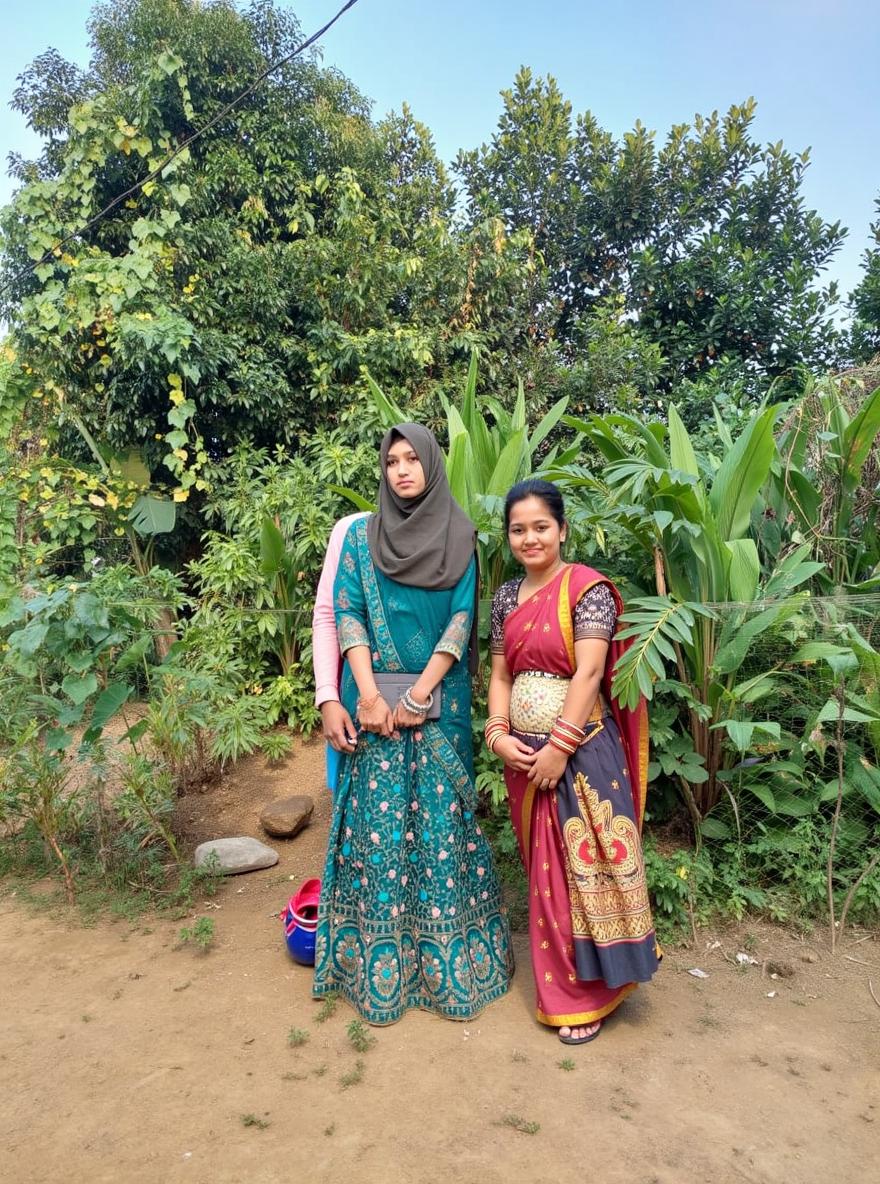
349	601
455	637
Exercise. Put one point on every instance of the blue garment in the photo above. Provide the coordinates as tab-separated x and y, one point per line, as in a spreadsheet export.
333	761
410	912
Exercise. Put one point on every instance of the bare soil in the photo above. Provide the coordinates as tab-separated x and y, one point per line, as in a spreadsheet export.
127	1057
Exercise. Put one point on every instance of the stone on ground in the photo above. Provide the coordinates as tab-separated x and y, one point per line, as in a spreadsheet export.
286	817
242	854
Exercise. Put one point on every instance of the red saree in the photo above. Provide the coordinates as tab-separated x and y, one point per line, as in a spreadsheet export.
590	928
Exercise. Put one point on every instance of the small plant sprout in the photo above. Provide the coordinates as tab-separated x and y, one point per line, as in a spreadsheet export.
201	934
328	1008
252	1120
567	1065
360	1038
354	1077
297	1037
520	1124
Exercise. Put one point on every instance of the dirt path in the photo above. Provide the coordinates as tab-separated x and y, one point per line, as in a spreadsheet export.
126	1058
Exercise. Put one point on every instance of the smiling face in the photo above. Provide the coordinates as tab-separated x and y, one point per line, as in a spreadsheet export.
404	471
534	535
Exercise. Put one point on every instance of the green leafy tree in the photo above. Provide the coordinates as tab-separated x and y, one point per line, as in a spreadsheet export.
865	300
707	236
240	293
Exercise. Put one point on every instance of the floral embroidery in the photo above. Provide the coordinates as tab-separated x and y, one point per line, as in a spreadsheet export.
455	636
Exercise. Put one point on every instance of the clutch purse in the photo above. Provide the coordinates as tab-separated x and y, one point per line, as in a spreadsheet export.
392	687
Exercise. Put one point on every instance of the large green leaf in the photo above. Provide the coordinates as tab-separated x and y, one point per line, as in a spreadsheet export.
745	570
356	499
547	424
108	703
389	412
459	468
511	465
743	471
681	451
78	688
153	515
858	439
272	549
732	653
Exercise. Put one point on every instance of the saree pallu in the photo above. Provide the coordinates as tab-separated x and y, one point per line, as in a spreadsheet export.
410	912
590	927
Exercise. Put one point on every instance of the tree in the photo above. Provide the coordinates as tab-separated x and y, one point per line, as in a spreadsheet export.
865	300
241	293
707	237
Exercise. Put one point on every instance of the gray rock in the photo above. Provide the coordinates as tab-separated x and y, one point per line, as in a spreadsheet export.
286	817
242	854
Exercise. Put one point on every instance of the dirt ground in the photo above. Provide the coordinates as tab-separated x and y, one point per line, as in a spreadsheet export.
125	1057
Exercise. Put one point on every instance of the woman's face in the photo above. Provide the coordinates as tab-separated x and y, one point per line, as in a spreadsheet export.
534	535
404	471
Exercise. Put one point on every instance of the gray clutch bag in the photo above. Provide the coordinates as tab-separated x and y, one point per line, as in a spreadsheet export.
392	687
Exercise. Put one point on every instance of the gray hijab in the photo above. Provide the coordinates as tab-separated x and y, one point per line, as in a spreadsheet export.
425	541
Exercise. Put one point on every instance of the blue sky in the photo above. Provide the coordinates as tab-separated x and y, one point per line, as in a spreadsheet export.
811	65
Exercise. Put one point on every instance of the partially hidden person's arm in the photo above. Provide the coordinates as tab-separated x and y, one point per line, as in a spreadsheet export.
338	727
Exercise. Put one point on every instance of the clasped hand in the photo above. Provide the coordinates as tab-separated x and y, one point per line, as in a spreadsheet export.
381	719
544	767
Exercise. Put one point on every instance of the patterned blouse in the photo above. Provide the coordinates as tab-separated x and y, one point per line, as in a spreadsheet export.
595	614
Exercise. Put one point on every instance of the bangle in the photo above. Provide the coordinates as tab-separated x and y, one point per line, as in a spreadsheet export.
369	702
416	708
567	737
496	727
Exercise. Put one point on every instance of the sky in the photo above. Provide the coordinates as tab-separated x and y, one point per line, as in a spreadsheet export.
810	64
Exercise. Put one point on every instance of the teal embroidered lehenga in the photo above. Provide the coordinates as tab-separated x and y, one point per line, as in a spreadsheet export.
410	912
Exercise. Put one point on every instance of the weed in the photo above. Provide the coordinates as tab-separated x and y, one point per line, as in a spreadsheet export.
519	1057
567	1065
360	1038
354	1077
297	1037
328	1130
293	1076
750	942
328	1008
201	934
252	1120
319	1071
519	1124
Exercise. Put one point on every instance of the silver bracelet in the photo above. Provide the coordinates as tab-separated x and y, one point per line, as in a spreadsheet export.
412	706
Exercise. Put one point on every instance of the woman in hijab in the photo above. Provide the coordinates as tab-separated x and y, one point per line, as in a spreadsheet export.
410	912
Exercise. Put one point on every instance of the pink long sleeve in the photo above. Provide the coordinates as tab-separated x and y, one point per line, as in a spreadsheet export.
326	658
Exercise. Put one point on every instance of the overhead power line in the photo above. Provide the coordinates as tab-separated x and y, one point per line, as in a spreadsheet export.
230	106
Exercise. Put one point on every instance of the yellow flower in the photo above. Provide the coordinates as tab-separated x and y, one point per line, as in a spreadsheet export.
112	501
682	872
181	495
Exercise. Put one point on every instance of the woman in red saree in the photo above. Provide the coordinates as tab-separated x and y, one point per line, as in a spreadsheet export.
576	772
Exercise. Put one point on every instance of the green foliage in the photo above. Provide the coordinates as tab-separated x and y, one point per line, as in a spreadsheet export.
359	1036
865	300
201	934
706	237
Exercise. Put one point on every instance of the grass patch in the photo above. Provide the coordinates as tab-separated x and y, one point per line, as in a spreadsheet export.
354	1077
520	1124
201	934
328	1008
297	1037
252	1120
359	1036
